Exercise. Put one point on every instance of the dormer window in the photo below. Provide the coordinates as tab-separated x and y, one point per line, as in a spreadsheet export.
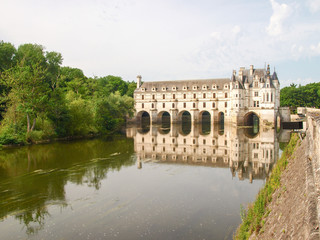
214	86
143	89
174	88
204	87
184	88
153	89
164	88
236	86
194	87
226	86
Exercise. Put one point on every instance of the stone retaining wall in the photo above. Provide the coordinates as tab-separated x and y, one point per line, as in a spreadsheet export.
313	170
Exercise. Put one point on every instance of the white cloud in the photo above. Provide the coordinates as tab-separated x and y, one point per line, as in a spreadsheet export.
314	5
280	13
315	49
236	29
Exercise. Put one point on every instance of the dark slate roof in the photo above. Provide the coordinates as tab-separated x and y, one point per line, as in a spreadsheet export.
179	84
274	76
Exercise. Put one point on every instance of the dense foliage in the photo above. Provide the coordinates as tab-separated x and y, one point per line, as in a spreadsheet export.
301	96
41	99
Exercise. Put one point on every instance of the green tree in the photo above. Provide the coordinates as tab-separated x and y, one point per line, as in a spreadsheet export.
7	53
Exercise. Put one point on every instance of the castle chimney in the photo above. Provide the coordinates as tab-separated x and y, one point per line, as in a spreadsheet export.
251	70
139	81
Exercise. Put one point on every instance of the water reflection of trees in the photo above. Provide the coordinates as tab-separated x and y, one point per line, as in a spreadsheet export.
33	177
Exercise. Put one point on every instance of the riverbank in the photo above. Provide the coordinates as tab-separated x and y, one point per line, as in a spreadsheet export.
287	207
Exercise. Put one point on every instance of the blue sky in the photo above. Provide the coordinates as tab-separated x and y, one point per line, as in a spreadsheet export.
172	39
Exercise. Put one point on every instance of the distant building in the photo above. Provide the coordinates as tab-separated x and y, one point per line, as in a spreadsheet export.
253	92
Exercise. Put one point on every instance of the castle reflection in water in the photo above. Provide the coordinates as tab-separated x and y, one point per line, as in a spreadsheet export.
249	153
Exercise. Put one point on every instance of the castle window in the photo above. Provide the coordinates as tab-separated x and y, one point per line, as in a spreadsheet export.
173	96
226	95
184	96
184	150
213	151
194	141
256	94
256	84
236	86
204	95
204	87
184	87
204	150
204	141
194	95
142	105
143	139
226	104
194	87
153	148
163	149
172	105
163	105
213	95
213	105
226	86
204	104
214	86
152	105
184	105
267	97
153	89
184	141
142	97
153	96
163	140
267	85
172	140
271	97
163	96
174	88
194	105
164	88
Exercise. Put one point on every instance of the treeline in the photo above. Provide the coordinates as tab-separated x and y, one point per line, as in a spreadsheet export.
301	96
41	99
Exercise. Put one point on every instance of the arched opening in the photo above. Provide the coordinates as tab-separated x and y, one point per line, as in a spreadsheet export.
251	120
164	119
185	117
205	123
221	123
145	118
144	122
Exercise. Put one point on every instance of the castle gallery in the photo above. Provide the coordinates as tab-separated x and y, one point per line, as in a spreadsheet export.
251	92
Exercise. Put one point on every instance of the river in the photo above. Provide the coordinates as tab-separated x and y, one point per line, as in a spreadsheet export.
165	182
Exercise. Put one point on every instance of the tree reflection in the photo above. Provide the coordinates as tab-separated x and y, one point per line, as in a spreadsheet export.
35	176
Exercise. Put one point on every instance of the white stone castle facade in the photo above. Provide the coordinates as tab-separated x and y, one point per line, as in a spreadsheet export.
236	99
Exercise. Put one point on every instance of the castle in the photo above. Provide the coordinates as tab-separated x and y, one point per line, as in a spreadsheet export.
251	94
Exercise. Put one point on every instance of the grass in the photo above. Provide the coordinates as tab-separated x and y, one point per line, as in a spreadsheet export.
253	217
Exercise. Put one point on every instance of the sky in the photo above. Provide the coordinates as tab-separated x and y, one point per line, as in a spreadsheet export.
172	39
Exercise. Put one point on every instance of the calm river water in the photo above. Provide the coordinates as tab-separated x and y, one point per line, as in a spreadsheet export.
158	183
